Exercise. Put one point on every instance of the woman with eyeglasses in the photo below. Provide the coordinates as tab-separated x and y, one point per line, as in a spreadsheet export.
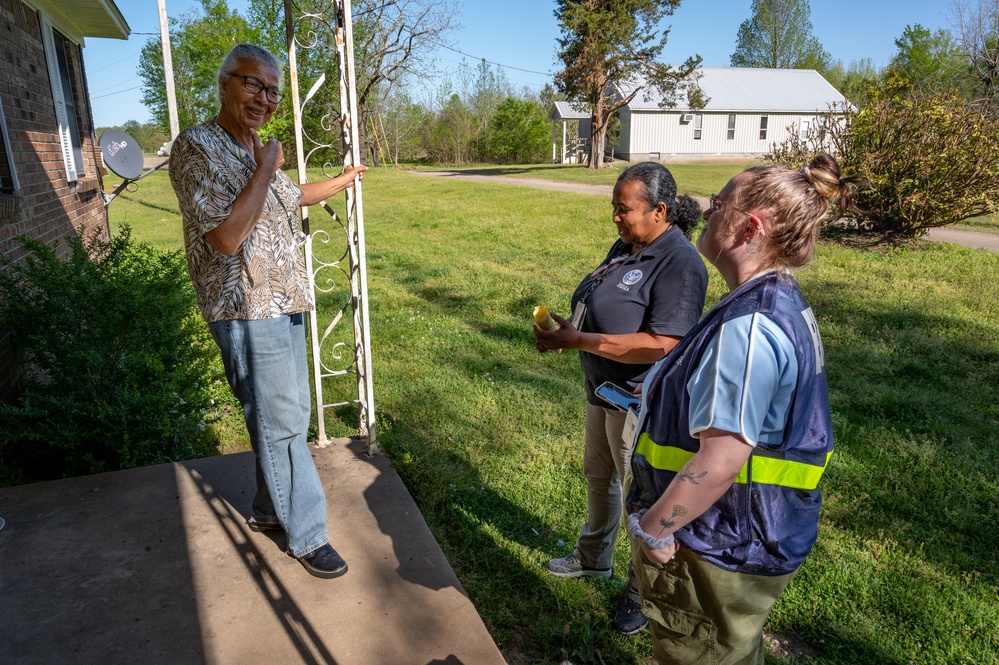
735	430
627	314
244	253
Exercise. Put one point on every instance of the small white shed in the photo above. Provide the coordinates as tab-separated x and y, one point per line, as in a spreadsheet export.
748	109
564	112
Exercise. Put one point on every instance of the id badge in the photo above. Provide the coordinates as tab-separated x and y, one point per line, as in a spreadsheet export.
630	433
578	315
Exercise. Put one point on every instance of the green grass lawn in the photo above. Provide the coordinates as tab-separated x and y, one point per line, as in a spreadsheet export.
487	434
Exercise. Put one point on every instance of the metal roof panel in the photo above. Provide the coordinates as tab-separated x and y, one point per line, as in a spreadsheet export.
569	111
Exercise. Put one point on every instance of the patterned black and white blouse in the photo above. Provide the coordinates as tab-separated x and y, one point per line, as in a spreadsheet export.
267	277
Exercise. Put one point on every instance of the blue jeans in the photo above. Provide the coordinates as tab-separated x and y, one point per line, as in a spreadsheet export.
266	366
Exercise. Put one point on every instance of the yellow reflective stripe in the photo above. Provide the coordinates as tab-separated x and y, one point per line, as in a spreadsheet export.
665	458
766	470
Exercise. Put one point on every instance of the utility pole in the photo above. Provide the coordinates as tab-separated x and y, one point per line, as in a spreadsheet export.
171	93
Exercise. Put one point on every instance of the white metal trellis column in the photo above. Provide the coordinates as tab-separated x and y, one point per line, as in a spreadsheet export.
336	19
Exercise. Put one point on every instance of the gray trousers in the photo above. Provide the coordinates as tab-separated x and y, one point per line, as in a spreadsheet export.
607	467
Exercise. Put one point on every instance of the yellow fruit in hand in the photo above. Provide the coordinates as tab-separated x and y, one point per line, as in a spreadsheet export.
543	319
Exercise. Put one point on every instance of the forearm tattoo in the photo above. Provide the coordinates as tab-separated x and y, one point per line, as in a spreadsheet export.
678	511
689	476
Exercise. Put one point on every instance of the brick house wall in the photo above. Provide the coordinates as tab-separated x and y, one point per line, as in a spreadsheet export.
47	206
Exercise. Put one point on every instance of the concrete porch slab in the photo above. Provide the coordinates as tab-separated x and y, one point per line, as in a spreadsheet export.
156	565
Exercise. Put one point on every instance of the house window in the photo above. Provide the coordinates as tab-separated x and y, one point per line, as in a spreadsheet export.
698	125
804	128
57	49
763	127
8	170
731	127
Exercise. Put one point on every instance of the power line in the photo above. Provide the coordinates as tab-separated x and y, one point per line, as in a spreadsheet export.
115	85
532	84
127	57
498	64
116	93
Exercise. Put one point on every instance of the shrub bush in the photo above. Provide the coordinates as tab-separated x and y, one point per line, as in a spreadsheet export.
119	369
520	132
927	160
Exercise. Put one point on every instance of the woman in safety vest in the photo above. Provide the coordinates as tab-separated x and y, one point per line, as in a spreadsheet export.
734	430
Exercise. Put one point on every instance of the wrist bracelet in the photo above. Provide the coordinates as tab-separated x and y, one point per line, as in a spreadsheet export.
635	529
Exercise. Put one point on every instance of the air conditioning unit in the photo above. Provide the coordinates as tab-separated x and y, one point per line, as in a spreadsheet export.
686	117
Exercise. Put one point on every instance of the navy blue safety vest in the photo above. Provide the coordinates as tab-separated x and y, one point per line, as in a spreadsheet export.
767	522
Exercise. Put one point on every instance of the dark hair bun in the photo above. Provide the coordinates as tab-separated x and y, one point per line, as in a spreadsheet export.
685	213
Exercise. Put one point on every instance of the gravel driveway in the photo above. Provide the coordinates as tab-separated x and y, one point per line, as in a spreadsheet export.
989	241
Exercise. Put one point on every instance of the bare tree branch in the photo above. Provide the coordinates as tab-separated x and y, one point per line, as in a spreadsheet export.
977	25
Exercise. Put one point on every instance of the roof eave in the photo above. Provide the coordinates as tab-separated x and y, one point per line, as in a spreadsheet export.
85	18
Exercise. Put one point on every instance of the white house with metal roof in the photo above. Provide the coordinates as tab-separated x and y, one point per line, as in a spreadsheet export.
748	109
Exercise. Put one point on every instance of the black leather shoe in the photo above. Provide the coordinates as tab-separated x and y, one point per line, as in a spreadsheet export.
261	527
324	562
629	619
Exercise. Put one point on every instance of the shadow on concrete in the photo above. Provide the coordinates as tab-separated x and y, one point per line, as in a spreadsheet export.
214	484
394	521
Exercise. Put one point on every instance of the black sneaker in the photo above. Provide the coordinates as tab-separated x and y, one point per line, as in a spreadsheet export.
324	562
259	526
629	619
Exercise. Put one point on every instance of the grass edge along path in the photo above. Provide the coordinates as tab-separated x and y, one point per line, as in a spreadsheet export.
697	178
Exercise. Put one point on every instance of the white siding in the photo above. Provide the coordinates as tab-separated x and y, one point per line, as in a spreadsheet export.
662	132
625	116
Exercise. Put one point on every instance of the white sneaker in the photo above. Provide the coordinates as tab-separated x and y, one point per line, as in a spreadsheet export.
569	566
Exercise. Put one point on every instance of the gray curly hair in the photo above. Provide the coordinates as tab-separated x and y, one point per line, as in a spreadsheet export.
246	52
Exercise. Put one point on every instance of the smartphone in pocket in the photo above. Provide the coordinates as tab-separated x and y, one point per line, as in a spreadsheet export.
618	397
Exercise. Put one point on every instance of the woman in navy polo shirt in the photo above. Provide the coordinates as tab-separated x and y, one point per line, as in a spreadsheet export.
627	314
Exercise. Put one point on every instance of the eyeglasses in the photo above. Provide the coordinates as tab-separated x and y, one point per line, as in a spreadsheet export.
715	205
254	85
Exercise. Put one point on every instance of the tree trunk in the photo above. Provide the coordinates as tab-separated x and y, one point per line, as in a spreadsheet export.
598	134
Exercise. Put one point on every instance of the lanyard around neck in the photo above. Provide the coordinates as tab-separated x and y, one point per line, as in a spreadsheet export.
601	273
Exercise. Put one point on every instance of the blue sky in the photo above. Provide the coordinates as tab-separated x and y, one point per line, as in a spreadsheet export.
521	35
